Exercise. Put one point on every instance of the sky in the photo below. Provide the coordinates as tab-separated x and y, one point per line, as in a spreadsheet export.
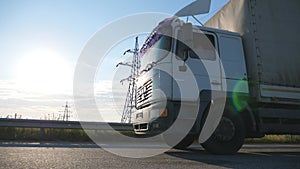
41	41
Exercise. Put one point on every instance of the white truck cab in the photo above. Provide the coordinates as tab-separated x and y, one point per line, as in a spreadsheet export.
175	74
236	77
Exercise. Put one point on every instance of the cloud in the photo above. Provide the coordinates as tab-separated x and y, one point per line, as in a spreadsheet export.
110	99
30	104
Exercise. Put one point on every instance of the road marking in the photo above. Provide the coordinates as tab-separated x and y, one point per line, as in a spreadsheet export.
291	155
262	154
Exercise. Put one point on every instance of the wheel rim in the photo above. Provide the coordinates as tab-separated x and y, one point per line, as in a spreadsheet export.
226	130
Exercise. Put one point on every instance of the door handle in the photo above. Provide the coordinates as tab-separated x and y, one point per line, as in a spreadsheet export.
214	82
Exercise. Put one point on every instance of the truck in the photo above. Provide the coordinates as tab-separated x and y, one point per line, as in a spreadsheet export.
253	50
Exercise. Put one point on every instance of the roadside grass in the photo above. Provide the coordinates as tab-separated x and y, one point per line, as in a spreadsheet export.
72	135
79	135
36	134
273	139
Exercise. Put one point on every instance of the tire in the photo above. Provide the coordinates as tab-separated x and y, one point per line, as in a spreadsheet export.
229	136
182	145
186	142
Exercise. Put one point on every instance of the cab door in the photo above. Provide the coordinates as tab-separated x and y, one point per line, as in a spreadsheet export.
200	64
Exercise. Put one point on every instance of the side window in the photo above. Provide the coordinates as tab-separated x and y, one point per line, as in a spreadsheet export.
232	56
203	44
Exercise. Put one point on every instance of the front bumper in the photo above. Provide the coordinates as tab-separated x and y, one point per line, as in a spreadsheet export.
150	120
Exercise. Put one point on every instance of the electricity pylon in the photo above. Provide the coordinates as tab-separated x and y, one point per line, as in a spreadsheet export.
130	102
66	112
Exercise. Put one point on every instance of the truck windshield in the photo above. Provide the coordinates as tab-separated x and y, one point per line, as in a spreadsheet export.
157	51
157	45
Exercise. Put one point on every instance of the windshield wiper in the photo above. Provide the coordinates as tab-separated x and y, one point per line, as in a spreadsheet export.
148	67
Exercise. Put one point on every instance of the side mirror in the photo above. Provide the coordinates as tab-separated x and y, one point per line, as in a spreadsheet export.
187	34
185	55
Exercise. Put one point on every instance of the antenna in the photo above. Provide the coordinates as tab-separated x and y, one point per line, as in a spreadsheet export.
130	102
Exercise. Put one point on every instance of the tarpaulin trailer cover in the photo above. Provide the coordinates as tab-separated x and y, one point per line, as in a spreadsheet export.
270	30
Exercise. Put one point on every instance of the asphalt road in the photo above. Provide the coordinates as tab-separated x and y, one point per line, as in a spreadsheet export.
65	155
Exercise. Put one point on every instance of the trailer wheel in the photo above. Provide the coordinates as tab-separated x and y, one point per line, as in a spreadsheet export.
229	136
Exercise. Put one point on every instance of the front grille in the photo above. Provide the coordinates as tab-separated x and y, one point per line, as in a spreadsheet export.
141	127
144	92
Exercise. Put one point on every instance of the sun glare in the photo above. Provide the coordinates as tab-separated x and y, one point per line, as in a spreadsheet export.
44	71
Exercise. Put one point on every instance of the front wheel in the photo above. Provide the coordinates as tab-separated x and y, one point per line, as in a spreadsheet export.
182	145
186	142
229	136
